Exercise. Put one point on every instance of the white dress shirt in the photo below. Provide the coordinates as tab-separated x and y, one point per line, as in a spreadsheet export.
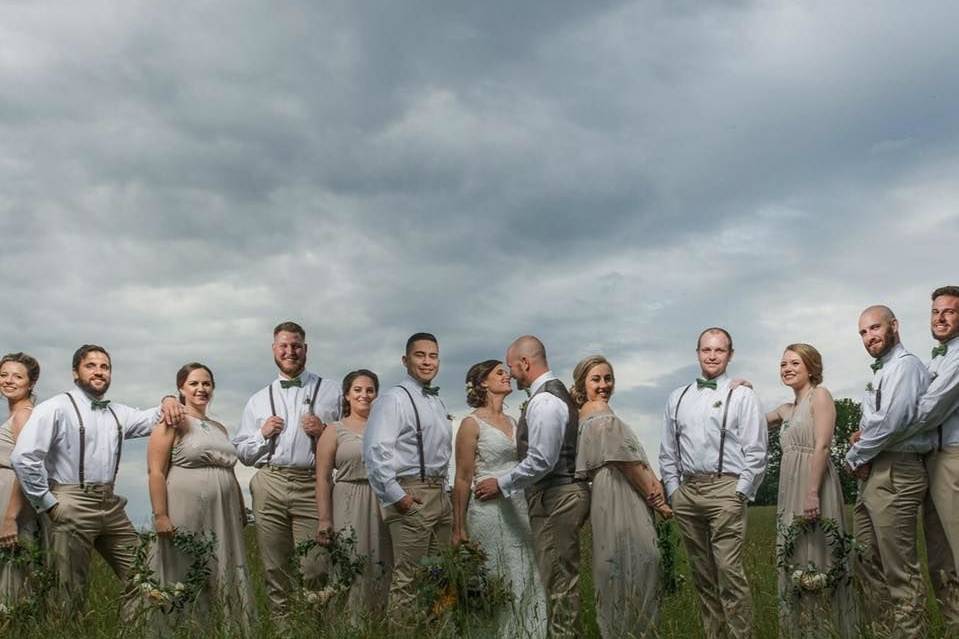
889	406
389	443
699	425
939	405
48	448
294	448
546	417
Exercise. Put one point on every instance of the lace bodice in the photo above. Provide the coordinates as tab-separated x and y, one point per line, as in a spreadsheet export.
495	452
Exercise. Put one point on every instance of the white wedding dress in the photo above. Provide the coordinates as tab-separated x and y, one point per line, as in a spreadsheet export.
501	527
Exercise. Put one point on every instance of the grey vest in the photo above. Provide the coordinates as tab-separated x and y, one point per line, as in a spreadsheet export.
564	472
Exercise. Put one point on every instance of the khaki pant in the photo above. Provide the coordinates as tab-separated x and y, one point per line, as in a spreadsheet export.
886	514
556	516
85	519
284	507
941	526
425	529
712	519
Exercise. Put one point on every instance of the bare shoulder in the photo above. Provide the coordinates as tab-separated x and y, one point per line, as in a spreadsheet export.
821	398
469	427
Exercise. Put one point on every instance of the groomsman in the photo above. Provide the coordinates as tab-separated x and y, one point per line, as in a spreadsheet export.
407	448
277	433
67	458
893	479
939	418
558	502
712	459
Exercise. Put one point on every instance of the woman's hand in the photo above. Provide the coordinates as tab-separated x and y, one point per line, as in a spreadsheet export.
657	501
9	534
163	525
810	509
324	532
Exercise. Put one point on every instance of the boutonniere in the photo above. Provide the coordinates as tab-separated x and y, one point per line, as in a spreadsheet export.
869	387
717	403
450	416
522	407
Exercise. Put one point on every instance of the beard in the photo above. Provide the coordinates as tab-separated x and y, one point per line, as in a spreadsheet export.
284	365
89	390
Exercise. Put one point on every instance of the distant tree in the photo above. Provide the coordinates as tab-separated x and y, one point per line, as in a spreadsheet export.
848	414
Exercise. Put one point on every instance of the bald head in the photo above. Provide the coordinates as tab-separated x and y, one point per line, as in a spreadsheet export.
879	311
526	358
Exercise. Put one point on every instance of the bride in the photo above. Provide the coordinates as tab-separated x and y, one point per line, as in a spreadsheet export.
485	447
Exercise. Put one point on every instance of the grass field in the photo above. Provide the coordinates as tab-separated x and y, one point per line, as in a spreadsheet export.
680	617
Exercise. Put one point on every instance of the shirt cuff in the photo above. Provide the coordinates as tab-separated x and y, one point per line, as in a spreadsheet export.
671	485
745	487
393	493
854	459
506	487
44	503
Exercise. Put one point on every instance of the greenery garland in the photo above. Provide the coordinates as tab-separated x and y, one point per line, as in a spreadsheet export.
199	546
811	578
39	580
458	580
345	566
667	541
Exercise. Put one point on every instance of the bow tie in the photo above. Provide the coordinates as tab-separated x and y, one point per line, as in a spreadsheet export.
939	350
99	404
705	383
876	365
296	381
431	390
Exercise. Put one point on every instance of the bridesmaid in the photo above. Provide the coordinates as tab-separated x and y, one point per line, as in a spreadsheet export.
624	493
350	502
809	487
18	375
193	488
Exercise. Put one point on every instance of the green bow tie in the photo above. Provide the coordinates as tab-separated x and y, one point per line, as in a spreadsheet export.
876	365
938	350
431	390
705	383
99	404
296	381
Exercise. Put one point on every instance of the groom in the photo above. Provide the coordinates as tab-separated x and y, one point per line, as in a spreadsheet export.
558	502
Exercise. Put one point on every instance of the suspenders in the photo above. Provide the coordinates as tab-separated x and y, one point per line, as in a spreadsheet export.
679	454
83	440
722	432
316	391
419	434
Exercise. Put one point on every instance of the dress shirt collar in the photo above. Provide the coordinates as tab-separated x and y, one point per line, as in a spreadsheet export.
304	376
952	345
415	383
893	352
539	381
79	393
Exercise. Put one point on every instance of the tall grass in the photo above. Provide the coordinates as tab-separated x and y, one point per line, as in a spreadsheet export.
679	612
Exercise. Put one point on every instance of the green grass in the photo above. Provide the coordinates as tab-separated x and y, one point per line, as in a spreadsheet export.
679	612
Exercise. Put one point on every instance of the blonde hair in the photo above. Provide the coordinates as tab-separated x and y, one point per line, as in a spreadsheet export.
578	389
811	359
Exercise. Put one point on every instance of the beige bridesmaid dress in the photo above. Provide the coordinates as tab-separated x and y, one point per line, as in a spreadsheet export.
355	506
811	614
625	555
13	579
203	495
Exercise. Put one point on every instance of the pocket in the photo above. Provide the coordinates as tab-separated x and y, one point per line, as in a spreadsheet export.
55	514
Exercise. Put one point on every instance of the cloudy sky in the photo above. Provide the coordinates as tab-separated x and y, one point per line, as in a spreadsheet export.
177	178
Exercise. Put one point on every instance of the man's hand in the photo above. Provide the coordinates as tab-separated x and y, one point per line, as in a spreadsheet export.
855	436
172	411
271	426
406	503
859	473
487	489
459	537
312	425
